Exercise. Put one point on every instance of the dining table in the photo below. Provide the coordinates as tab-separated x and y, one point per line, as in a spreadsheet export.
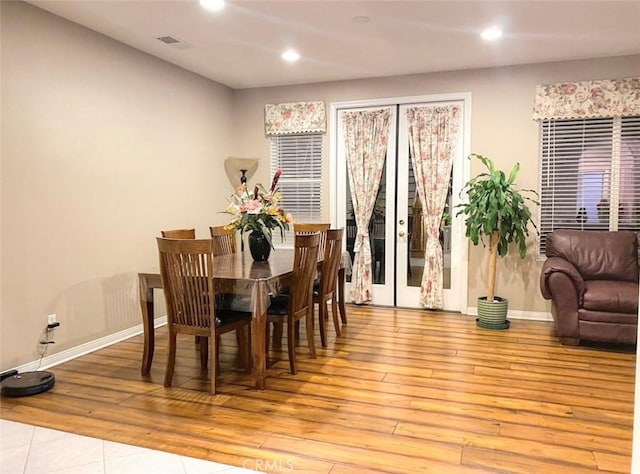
238	273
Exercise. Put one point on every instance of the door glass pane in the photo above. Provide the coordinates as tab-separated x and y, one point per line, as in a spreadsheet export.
376	230
418	238
445	237
350	227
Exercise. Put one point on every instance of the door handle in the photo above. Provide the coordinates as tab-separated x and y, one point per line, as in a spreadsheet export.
401	234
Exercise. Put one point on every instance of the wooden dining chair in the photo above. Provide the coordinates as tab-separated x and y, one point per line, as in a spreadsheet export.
185	268
224	240
297	304
326	290
187	234
224	243
304	228
377	250
178	234
351	232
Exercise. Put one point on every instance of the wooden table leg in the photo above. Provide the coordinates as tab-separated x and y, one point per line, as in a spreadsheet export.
258	329
147	282
146	306
341	295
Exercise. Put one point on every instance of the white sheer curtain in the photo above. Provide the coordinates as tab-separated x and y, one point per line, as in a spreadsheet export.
366	135
433	132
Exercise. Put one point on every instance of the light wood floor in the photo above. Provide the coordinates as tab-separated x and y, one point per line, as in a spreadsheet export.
401	392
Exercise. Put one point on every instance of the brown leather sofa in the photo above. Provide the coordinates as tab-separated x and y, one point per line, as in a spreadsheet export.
591	278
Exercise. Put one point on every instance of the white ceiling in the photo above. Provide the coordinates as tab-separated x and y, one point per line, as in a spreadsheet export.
240	46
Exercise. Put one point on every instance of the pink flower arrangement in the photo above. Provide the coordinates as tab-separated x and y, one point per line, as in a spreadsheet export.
258	211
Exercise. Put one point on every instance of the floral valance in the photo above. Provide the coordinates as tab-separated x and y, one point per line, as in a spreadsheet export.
588	99
295	117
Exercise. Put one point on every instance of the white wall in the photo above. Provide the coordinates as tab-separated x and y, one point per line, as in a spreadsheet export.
102	147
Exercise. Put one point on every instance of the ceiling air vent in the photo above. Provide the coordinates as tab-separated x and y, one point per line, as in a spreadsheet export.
174	42
168	39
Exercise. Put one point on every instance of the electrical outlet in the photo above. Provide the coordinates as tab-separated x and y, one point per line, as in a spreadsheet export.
52	318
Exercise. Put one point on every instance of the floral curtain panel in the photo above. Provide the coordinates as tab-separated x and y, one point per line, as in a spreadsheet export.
588	99
295	117
433	134
366	135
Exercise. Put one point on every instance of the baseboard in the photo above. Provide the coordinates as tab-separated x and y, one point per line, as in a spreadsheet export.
514	314
86	348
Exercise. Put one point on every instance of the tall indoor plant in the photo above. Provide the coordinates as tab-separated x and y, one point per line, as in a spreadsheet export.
496	209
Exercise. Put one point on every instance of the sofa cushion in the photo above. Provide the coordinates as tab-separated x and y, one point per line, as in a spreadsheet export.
611	296
604	318
598	255
618	333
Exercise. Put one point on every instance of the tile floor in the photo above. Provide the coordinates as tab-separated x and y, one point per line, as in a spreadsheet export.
30	449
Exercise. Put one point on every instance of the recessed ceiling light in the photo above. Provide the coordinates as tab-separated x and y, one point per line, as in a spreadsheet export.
360	19
491	34
213	5
290	55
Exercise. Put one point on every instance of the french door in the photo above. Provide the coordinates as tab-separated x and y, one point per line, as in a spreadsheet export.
396	231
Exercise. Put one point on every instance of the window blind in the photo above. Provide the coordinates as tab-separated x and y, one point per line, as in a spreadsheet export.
590	174
300	159
629	183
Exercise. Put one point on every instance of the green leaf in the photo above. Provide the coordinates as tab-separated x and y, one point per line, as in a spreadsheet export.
514	173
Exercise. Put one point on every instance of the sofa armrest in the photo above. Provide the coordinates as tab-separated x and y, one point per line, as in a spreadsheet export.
560	265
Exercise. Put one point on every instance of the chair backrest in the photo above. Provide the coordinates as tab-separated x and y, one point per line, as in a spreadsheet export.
331	262
310	228
185	266
224	240
178	234
305	266
378	229
352	228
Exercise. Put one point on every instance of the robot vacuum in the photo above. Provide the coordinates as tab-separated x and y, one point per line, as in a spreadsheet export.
14	384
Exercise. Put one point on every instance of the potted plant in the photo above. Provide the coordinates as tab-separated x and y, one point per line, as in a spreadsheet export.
258	212
496	209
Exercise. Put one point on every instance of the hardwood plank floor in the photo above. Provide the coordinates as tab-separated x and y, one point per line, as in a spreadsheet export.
402	391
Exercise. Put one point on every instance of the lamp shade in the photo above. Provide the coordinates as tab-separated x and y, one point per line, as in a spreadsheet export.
233	167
